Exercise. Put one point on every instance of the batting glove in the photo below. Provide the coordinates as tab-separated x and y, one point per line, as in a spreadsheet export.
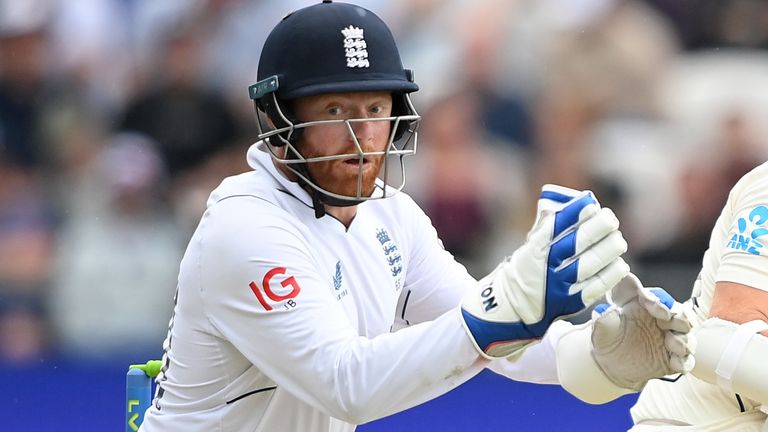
645	334
570	259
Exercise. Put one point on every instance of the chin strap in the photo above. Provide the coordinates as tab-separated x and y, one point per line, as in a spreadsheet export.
316	203
319	199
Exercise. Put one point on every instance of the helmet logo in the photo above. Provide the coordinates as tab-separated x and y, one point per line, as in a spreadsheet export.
355	47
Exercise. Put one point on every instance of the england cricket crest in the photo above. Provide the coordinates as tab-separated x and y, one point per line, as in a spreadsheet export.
392	255
355	47
751	233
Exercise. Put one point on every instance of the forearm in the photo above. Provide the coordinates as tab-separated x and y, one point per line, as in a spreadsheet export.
396	371
739	303
733	357
563	357
733	346
579	373
538	363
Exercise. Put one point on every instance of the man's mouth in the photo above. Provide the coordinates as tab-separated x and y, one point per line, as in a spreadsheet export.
355	161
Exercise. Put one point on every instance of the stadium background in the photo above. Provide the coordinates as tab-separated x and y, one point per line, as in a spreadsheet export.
117	117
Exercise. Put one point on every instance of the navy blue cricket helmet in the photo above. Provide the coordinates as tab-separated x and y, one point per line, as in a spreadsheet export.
331	48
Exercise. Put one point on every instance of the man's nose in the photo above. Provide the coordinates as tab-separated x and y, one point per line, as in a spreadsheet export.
363	131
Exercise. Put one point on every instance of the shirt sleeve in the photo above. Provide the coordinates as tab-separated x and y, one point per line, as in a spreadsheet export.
263	293
744	258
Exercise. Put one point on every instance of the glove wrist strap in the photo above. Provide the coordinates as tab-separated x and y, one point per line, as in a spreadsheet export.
578	371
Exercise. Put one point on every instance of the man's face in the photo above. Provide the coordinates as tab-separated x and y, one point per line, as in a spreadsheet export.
341	176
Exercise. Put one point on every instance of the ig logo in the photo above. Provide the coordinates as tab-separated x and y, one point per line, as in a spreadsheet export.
266	287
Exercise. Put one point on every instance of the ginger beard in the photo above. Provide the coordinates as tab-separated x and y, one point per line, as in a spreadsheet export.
360	122
340	176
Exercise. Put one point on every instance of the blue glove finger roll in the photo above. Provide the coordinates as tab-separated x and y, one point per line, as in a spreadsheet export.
664	296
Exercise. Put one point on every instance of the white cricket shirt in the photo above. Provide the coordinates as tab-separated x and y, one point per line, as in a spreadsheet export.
283	322
738	252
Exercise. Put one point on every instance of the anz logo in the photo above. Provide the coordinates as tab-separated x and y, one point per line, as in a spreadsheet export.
752	235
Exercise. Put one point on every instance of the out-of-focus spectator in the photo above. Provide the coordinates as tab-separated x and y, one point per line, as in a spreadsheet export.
27	229
467	182
116	266
189	121
198	135
601	64
91	51
24	78
715	135
718	24
702	184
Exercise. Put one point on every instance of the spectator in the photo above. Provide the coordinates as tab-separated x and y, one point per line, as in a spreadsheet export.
115	267
467	202
24	82
27	232
195	129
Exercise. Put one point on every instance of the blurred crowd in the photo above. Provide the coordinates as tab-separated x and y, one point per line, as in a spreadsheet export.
117	118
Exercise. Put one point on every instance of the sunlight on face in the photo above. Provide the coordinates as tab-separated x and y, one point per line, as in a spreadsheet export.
341	176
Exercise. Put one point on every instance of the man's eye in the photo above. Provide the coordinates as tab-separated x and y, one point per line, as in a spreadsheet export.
334	111
378	109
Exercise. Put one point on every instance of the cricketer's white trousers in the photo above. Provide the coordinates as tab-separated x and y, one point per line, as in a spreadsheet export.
744	422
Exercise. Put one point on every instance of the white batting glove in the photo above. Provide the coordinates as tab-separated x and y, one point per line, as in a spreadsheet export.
644	334
569	260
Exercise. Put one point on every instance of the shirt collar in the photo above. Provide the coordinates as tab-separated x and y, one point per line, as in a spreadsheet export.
259	158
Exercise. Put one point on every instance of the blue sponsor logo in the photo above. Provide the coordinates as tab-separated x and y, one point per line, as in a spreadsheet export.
337	280
337	277
752	232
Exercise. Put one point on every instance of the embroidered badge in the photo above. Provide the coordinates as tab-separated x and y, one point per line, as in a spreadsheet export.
394	259
337	277
355	47
340	294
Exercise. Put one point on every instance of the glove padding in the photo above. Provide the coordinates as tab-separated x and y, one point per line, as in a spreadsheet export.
570	259
643	334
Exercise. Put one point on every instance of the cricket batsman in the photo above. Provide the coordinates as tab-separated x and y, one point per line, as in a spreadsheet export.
728	388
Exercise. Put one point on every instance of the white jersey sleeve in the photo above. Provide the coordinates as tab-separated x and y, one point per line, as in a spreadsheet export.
744	257
263	293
